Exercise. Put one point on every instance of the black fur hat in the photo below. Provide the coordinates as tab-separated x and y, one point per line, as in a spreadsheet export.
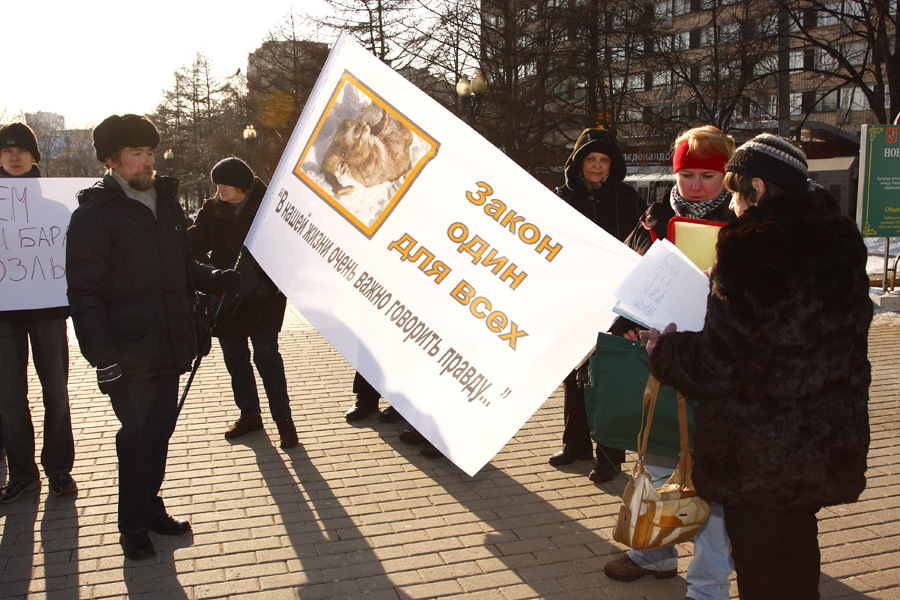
232	171
20	135
117	132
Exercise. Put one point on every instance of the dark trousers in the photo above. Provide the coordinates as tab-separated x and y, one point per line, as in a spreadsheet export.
776	554
577	430
50	353
269	364
366	395
147	411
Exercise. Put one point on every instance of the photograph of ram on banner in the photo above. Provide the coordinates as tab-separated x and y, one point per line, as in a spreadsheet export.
363	155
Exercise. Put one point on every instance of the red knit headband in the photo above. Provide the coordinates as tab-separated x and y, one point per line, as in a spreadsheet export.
683	158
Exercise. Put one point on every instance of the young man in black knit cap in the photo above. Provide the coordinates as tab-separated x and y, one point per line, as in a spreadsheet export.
217	238
129	269
46	330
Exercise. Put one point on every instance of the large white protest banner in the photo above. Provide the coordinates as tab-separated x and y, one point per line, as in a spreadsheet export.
460	287
34	220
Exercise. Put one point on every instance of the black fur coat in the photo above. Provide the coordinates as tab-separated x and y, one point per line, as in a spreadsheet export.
781	367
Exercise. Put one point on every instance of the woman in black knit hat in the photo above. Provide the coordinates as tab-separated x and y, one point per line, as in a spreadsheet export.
780	369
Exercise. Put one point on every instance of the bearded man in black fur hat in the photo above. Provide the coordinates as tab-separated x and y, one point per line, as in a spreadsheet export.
129	271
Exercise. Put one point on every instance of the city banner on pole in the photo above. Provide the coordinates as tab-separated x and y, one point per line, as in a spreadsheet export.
460	287
878	206
34	220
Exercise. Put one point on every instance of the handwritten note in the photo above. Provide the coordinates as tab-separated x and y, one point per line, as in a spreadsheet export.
664	287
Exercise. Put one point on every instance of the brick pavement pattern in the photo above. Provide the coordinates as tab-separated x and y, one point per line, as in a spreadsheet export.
354	513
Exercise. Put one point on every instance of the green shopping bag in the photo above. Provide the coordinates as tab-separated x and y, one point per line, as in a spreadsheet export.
614	398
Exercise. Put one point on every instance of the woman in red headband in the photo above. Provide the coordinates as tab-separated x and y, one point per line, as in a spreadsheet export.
698	160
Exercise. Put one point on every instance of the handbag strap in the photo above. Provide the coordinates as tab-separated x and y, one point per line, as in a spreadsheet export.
681	477
651	391
685	440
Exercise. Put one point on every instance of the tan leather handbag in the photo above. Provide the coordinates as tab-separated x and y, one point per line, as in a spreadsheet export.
652	517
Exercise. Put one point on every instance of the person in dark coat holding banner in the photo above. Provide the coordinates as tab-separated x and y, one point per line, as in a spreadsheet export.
780	368
217	238
595	187
130	273
45	328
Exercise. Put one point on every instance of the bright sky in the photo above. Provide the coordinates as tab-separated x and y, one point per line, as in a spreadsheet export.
87	60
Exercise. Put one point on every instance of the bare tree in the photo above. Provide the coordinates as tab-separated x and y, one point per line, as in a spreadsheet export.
850	46
717	69
64	152
280	77
199	121
382	26
77	157
447	46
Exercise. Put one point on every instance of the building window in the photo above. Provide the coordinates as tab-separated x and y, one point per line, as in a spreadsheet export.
766	66
663	11
662	79
636	82
561	90
695	36
825	61
580	91
796	103
827	16
730	31
768	25
664	43
527	70
856	53
854	99
829	101
616	53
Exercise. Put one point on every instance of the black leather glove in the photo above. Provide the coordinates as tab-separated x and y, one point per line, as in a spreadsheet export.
583	375
110	379
226	281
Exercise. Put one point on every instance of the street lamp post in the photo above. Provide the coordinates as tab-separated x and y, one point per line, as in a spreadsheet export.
250	138
169	156
471	95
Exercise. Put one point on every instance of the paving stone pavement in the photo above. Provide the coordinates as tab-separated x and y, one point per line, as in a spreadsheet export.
354	513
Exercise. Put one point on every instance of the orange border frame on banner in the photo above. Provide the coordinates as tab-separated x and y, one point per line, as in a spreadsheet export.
369	231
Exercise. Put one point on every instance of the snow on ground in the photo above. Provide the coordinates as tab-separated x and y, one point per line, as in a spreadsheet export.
875	265
886	317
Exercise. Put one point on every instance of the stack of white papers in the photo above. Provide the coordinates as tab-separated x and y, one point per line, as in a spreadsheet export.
664	287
